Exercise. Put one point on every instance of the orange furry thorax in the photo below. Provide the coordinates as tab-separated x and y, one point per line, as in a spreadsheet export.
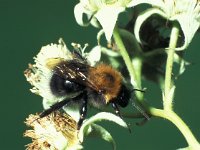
107	81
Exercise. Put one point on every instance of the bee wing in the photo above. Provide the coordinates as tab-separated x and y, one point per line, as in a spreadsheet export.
75	71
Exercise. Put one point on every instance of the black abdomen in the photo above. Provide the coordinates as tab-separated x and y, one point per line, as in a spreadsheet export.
62	87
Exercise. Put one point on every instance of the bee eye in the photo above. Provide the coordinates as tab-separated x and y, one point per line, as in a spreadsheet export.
62	87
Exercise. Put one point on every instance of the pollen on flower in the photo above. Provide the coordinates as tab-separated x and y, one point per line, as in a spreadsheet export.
40	73
56	131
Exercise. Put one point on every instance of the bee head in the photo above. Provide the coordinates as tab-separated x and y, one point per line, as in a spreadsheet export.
123	96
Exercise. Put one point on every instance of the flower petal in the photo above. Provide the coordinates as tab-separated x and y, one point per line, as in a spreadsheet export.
78	13
99	117
56	131
107	17
40	73
94	55
142	18
158	3
94	22
189	26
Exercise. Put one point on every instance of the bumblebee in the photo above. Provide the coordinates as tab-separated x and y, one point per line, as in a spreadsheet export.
97	86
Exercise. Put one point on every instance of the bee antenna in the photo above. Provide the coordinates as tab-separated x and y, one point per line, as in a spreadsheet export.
141	90
140	110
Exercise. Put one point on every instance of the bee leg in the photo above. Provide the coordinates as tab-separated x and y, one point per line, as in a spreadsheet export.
54	107
83	110
116	108
117	111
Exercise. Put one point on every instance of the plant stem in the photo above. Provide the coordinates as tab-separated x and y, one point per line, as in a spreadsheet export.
167	113
167	100
179	123
134	71
125	56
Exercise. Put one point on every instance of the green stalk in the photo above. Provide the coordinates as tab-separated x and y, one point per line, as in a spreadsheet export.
167	113
134	72
179	123
168	98
125	57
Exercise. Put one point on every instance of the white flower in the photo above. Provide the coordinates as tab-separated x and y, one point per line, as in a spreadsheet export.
54	132
40	73
58	131
105	11
186	12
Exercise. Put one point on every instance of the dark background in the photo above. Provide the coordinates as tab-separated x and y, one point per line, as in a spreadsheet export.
28	25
